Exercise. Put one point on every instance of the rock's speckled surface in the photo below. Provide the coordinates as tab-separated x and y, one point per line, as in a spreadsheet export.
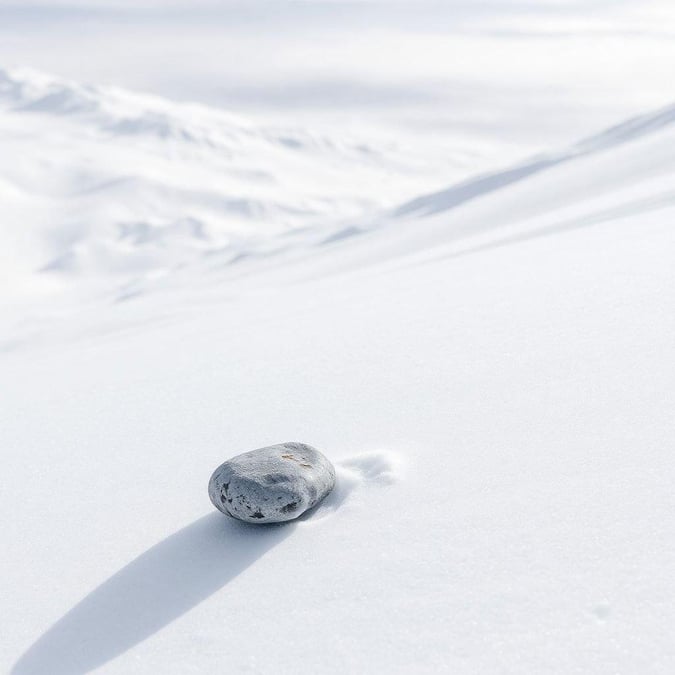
272	484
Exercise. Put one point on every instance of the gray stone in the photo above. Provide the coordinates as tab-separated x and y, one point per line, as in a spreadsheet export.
273	484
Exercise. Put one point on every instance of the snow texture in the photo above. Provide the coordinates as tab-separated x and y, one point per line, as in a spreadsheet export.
434	238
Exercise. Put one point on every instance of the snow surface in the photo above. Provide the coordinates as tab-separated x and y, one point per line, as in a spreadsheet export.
487	354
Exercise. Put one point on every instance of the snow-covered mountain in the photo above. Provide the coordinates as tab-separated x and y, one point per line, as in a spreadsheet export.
109	186
115	191
626	170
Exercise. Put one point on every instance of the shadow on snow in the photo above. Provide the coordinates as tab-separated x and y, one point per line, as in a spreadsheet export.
150	592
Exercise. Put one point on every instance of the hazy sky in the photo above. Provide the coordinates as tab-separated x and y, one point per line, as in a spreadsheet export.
425	66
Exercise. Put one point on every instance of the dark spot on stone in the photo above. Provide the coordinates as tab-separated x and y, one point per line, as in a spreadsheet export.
223	494
261	478
275	478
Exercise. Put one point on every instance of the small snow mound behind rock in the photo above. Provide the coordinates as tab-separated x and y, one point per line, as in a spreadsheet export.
354	473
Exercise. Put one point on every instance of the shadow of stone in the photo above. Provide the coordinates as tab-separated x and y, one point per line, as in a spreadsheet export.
150	592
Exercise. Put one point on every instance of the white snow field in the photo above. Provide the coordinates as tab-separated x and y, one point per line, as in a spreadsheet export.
483	343
113	185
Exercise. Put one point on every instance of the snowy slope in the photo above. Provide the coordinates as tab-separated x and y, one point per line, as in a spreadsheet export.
494	378
113	187
625	170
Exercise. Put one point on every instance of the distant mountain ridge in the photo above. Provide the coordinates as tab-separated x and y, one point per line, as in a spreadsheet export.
625	132
112	182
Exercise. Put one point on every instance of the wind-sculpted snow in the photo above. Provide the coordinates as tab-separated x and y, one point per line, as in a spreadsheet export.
114	187
631	130
118	193
121	113
116	190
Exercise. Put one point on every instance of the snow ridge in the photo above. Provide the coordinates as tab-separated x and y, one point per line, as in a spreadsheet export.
631	130
124	187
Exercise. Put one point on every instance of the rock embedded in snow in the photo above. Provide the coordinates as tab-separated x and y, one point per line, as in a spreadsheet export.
272	484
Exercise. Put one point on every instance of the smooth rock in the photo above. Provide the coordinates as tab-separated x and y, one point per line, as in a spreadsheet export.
273	484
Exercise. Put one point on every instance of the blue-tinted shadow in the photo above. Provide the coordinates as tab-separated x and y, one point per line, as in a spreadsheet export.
150	592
